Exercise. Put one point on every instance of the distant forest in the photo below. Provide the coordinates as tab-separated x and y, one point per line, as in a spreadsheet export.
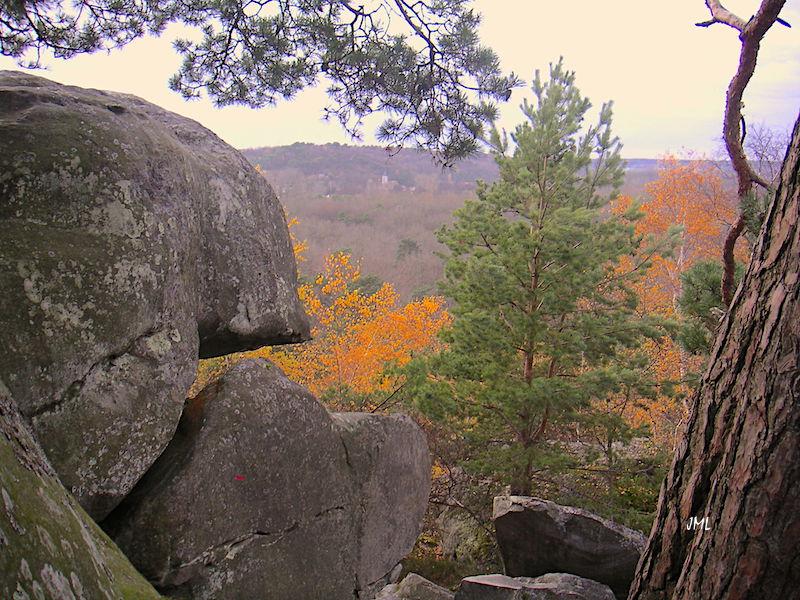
383	208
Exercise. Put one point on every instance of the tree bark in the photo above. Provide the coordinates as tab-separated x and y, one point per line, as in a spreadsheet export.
738	462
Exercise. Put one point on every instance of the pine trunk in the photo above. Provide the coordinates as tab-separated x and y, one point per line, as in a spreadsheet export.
737	464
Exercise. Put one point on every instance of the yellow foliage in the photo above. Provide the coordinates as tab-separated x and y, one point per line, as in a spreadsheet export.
691	195
355	335
299	247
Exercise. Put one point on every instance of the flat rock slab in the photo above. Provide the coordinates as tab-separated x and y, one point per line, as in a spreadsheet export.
552	586
538	537
263	494
490	587
132	240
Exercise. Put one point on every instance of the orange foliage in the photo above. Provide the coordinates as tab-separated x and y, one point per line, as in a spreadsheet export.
299	247
691	195
356	336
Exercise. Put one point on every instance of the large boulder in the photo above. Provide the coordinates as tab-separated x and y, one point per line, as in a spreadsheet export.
538	537
49	547
263	494
390	467
132	240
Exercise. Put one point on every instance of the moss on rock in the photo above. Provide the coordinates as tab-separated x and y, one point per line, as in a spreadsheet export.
49	547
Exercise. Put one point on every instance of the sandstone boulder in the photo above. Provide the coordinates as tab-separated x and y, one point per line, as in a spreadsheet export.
263	494
538	537
390	467
414	587
49	547
388	593
132	240
563	586
552	586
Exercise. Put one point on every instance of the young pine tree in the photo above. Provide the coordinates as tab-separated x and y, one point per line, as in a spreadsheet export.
539	274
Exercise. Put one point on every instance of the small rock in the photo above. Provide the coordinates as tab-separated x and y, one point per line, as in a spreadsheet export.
490	587
563	586
414	587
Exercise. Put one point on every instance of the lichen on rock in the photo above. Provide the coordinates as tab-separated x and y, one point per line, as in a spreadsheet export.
262	493
132	241
49	547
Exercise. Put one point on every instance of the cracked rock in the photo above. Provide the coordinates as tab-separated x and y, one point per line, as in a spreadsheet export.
132	240
263	494
390	467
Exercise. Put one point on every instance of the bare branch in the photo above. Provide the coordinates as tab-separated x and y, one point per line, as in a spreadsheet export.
751	33
720	14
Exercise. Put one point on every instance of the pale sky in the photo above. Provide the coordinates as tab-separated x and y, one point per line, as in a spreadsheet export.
667	77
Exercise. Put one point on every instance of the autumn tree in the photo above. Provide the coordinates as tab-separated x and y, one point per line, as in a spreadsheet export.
357	336
692	195
541	310
419	63
738	463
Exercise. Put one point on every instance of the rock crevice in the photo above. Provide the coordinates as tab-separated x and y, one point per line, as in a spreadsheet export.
260	473
115	227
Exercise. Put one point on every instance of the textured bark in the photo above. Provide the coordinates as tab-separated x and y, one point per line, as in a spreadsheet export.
738	462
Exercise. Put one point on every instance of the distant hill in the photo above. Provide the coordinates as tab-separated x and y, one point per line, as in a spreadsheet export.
383	209
340	169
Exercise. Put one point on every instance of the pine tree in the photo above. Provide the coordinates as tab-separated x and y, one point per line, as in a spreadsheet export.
421	64
540	276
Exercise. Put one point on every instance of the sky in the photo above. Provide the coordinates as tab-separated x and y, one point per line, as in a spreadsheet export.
667	78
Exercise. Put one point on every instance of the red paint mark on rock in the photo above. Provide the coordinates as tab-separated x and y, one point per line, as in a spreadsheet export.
239	477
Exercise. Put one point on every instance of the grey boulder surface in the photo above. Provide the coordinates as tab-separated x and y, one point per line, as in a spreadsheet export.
389	466
263	494
551	586
132	241
490	587
414	587
564	586
49	547
538	537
